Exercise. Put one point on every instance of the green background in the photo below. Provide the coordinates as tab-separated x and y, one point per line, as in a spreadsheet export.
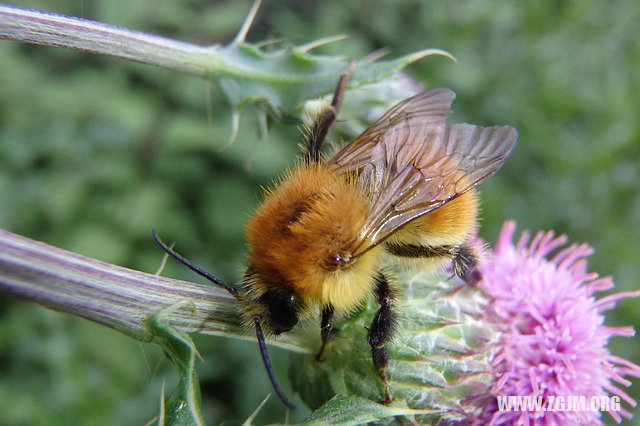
95	151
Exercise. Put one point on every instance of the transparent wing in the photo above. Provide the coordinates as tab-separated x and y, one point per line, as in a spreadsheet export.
400	130
410	163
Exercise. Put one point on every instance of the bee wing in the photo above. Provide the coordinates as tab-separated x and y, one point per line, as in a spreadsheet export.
410	163
398	130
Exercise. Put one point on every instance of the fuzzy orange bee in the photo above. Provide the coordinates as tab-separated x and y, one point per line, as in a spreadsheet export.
402	191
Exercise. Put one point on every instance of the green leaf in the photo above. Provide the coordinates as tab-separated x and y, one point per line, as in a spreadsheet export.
284	78
183	405
352	410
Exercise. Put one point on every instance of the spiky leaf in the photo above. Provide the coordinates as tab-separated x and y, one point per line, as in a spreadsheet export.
353	410
285	78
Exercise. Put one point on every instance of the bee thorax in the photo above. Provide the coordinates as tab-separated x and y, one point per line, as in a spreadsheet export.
301	236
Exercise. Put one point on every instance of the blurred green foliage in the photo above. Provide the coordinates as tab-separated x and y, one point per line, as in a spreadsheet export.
95	151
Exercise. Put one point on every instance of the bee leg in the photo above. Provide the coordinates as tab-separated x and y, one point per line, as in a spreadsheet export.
318	132
465	263
382	328
327	330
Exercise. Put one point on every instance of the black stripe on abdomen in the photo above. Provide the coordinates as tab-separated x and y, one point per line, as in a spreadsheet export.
412	250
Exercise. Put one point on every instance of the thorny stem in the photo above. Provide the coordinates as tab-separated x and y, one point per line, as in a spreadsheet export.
118	297
34	26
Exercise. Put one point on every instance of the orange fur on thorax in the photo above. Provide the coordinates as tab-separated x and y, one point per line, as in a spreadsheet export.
312	216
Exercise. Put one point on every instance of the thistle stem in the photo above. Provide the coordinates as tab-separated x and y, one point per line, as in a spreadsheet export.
118	297
51	29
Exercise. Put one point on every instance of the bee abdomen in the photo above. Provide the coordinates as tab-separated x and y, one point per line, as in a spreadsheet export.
419	251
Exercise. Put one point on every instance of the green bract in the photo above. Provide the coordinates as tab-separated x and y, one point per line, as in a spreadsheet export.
439	360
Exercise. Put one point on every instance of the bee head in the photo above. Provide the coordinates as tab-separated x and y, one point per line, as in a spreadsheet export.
280	310
266	296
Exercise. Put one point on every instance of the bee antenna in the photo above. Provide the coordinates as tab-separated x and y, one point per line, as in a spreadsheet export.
268	366
194	268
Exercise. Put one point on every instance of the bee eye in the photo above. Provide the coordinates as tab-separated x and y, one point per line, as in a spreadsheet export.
281	311
337	261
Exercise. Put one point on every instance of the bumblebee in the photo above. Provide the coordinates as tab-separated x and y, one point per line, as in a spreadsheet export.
401	192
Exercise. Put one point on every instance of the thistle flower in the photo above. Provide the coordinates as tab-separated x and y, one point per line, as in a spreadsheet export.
554	341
